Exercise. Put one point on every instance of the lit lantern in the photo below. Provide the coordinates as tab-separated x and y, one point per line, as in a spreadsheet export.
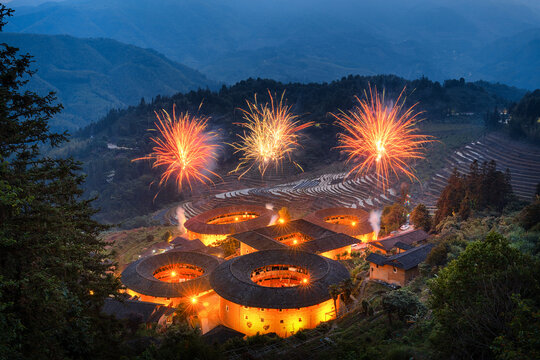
281	221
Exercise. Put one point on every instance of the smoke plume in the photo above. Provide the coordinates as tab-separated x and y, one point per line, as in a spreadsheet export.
375	220
181	219
275	217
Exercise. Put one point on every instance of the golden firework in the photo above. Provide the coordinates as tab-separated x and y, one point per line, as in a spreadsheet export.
381	137
271	134
184	147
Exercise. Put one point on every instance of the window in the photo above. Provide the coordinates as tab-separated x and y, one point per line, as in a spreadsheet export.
377	265
280	310
245	307
262	309
299	319
246	317
226	307
281	321
394	269
262	319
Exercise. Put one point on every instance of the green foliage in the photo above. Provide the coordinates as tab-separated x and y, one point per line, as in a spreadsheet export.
181	342
438	255
420	218
525	115
393	216
529	217
403	303
522	341
472	299
53	274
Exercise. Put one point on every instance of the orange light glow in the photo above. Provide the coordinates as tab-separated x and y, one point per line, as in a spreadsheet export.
353	223
380	137
305	280
91	292
271	135
173	273
295	241
193	300
281	221
236	219
184	148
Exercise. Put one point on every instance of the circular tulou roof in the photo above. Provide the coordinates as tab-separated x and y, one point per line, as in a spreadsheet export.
232	279
199	224
362	227
139	275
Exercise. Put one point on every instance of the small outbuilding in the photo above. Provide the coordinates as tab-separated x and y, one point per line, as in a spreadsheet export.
397	269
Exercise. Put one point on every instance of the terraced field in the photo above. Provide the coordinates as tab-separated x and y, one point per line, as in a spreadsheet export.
301	196
304	193
521	158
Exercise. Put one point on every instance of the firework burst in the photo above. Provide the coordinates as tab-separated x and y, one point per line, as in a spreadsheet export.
380	137
271	134
184	147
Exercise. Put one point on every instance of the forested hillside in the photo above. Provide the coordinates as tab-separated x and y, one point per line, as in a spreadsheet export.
92	76
108	146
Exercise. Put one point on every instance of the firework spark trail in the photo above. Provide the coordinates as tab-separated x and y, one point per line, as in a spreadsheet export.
380	137
184	148
271	135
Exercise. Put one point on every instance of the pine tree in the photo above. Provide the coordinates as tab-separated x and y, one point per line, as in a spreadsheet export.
53	271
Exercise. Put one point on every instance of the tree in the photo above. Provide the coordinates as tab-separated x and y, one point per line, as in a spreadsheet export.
450	198
403	303
473	298
529	217
420	217
54	274
346	288
334	291
392	218
181	342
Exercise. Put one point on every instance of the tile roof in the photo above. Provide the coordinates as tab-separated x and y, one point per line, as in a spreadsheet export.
405	260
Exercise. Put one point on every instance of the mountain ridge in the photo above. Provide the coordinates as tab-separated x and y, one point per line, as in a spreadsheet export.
92	76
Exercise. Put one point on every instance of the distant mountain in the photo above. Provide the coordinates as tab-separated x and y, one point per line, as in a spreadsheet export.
315	40
513	59
92	76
